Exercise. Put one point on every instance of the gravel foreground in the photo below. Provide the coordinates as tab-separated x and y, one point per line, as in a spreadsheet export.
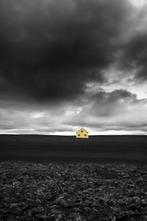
72	192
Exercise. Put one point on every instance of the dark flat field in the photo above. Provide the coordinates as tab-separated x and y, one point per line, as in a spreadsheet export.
97	149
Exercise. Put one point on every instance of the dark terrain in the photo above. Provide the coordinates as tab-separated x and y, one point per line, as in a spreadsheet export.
53	178
131	149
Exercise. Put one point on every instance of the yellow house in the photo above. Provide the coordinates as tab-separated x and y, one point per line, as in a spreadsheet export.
82	133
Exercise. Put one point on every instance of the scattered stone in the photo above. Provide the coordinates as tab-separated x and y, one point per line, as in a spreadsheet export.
72	192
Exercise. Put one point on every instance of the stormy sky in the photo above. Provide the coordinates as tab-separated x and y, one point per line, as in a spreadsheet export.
73	63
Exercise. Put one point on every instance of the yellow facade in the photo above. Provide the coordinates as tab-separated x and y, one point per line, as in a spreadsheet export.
82	133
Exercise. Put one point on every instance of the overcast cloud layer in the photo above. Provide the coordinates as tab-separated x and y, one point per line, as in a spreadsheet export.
73	63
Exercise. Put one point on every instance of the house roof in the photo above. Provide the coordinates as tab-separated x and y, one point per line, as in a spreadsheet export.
81	130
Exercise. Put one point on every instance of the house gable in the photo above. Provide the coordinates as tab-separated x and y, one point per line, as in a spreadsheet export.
82	133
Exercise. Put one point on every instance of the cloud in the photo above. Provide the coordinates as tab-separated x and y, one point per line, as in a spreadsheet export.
116	110
134	52
71	63
29	119
49	50
135	56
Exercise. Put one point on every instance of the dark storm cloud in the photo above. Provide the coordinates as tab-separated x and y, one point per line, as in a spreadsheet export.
134	51
49	49
135	55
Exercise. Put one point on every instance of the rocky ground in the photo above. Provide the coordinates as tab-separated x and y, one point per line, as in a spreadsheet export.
72	192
